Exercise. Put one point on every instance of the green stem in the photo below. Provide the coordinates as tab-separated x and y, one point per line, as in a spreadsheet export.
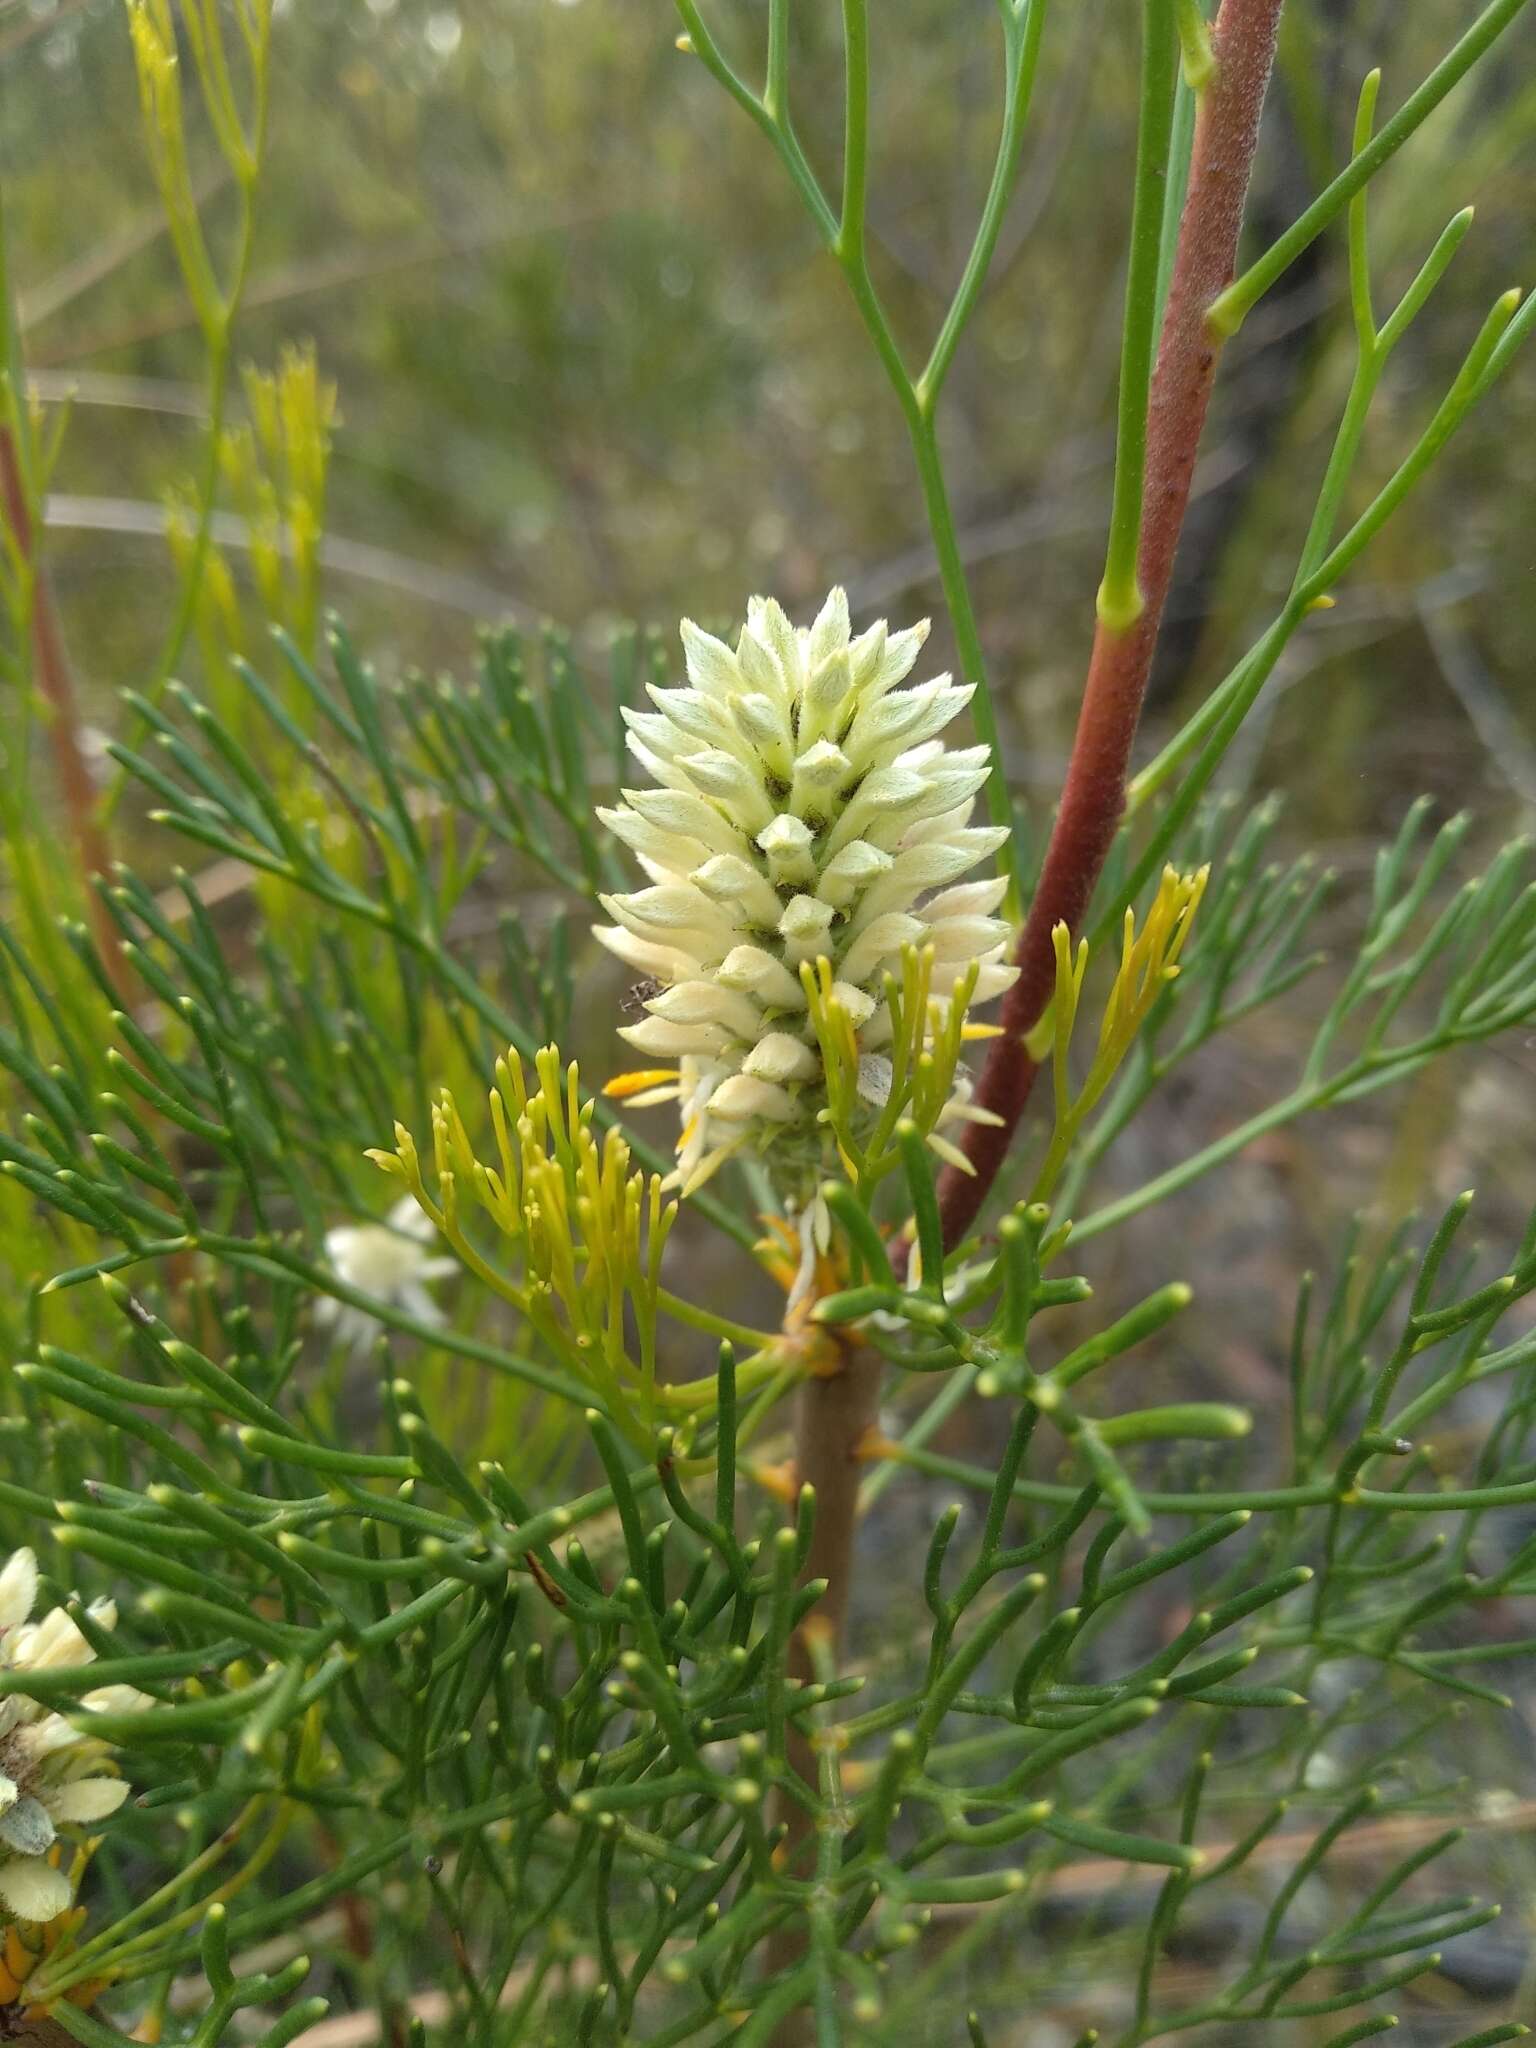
220	350
1120	600
1216	724
288	1265
1259	1500
762	115
1199	62
1238	300
954	1392
850	232
1229	702
1021	37
776	86
844	237
1218	720
1297	1103
82	1962
717	1326
957	600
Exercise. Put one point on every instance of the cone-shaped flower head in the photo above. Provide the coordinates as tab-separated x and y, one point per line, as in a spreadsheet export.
803	809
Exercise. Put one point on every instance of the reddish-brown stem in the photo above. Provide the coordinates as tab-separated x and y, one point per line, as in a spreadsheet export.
54	681
834	1412
1093	794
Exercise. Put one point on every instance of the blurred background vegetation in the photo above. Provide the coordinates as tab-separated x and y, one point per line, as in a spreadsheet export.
590	366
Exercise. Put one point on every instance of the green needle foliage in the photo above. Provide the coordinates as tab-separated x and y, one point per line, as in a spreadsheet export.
444	1576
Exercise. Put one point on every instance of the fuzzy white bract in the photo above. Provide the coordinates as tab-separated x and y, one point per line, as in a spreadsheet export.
392	1261
46	1765
805	809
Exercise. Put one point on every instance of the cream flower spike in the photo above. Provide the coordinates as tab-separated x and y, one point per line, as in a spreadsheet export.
804	809
48	1766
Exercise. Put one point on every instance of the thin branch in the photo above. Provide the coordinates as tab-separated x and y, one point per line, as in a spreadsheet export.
1093	796
1022	48
405	574
77	786
1235	302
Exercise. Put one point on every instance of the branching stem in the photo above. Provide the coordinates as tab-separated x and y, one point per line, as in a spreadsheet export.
55	684
22	482
843	231
1093	795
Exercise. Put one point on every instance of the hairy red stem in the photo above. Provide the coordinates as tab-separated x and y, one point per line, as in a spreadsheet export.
1093	794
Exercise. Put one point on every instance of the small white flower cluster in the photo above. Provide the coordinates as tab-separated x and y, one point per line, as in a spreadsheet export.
45	1764
805	809
392	1261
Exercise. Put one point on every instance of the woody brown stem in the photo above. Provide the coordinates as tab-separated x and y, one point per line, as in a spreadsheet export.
56	684
834	1412
1093	794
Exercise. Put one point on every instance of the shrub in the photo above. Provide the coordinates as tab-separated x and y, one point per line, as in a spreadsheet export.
454	1544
